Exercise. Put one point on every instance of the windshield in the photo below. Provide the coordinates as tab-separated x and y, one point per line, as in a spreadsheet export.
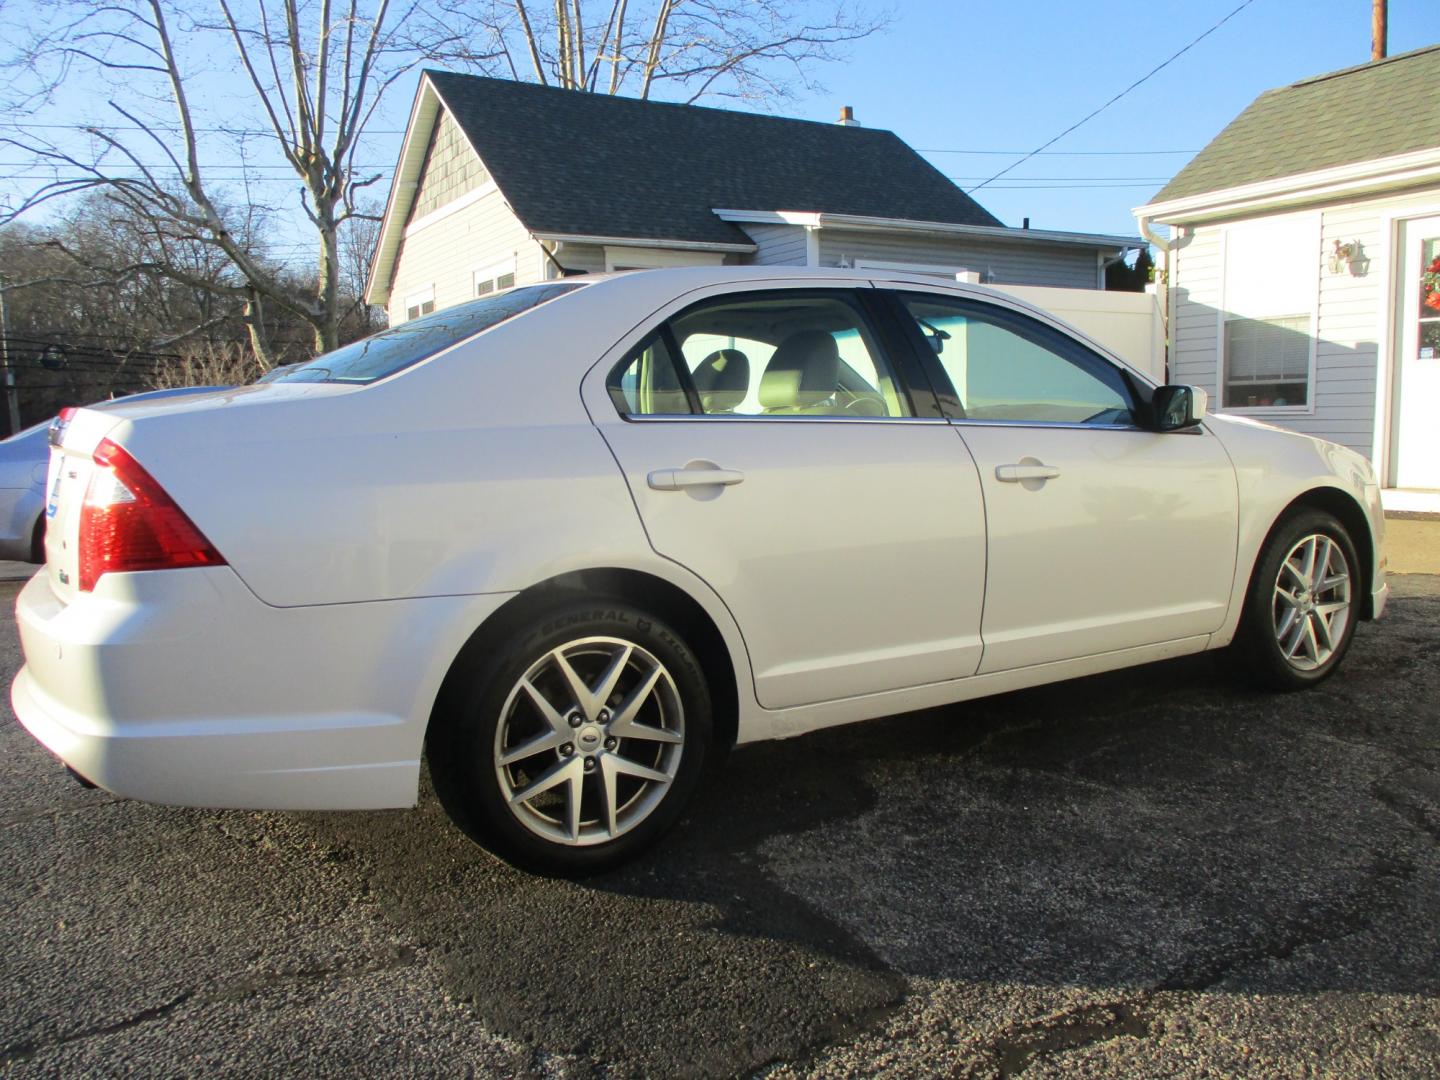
401	346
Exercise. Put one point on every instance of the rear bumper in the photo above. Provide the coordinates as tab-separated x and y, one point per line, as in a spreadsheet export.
181	687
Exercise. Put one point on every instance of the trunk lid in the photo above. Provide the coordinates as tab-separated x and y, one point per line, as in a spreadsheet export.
72	444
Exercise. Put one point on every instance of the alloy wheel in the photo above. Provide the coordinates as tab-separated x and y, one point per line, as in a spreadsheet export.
1312	607
589	741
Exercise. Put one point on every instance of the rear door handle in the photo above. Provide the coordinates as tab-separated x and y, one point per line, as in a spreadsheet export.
1013	474
679	479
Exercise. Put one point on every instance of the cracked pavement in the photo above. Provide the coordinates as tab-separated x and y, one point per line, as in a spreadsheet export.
1153	873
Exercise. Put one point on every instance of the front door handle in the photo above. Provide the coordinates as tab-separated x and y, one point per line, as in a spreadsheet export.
1014	474
679	479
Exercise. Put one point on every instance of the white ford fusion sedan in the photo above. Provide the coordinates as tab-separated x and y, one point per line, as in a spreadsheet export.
575	540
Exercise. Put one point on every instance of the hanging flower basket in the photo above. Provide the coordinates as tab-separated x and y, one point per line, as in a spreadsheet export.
1430	285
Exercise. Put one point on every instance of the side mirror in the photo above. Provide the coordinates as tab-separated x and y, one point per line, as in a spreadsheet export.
1177	407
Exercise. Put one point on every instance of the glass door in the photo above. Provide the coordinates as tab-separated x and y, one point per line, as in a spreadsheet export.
1416	391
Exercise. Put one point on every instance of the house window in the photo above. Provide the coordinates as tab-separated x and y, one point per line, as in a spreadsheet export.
494	278
1267	362
420	303
1266	325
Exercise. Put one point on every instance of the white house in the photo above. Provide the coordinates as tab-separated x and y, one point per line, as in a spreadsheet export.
1304	266
502	183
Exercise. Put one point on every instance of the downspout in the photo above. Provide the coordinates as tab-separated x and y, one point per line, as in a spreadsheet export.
565	271
1162	246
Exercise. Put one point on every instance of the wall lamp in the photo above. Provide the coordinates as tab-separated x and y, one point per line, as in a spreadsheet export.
1349	258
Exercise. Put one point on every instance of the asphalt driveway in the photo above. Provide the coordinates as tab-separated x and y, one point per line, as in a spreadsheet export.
1151	873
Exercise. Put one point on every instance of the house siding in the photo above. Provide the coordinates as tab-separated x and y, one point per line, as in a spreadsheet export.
1021	263
445	253
451	169
777	245
1353	317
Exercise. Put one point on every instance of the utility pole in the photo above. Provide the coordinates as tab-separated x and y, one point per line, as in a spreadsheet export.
7	373
1377	29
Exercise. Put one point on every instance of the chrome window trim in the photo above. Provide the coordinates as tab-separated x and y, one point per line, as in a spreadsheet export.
1197	429
750	418
1068	424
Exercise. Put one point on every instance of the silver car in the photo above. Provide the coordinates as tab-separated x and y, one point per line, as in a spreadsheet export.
23	461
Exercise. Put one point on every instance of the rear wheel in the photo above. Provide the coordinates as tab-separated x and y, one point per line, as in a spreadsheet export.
579	743
1303	603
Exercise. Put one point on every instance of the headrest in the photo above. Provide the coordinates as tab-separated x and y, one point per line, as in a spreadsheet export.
723	380
804	371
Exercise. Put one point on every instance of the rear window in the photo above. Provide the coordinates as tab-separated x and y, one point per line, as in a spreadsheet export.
401	346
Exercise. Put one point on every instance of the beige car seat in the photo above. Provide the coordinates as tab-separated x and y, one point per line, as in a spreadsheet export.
722	380
803	375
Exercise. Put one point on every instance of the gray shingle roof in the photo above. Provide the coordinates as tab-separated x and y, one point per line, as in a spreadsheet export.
588	164
1375	110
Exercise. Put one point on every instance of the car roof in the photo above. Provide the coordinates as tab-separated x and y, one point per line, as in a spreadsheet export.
671	282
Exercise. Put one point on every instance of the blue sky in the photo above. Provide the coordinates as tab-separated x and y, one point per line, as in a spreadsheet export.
994	78
1002	75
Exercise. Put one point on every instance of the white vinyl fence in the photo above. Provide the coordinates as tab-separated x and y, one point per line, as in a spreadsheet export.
1129	324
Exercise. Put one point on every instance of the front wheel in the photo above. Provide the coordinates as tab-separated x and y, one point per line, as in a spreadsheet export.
1302	606
579	743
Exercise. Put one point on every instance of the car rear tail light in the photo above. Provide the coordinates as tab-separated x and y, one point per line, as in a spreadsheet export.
128	522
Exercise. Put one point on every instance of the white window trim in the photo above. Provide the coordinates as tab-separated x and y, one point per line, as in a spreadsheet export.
491	271
454	206
1221	317
645	258
417	298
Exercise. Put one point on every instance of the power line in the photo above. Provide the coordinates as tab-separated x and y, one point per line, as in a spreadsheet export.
1144	78
285	179
21	125
1077	179
173	129
1062	153
167	128
1036	183
170	165
54	178
1066	187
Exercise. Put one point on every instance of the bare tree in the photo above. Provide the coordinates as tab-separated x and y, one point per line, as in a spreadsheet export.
170	77
753	50
315	71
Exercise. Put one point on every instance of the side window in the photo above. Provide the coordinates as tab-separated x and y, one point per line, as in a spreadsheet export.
1005	366
786	354
420	303
647	383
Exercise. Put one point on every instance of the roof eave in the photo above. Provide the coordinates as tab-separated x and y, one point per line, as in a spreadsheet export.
643	241
1357	178
423	115
866	223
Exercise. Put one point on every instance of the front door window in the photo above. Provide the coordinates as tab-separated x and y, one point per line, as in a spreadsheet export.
1428	324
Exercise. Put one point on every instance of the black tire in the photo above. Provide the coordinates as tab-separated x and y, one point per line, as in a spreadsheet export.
1258	642
487	711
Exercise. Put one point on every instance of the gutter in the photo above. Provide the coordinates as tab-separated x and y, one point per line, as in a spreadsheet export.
646	242
868	223
1359	178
